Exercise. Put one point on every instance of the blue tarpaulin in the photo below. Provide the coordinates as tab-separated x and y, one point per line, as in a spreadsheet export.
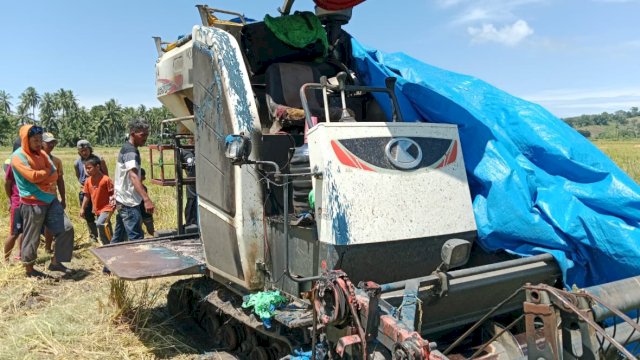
537	185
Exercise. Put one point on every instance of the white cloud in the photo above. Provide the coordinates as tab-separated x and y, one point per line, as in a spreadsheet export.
573	102
486	10
474	15
492	20
581	94
509	35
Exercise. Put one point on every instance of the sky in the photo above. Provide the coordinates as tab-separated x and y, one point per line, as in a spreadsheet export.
571	56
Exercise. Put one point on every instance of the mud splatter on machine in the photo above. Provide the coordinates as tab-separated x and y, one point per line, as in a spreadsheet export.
362	218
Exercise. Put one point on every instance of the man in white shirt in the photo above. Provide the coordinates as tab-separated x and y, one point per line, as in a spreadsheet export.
129	192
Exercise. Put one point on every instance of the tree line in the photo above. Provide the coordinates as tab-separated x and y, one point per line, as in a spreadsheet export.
59	113
621	123
106	125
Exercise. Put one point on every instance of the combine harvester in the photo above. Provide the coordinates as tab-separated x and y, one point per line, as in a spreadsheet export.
313	182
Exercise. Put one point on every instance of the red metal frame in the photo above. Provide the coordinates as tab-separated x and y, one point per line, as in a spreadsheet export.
162	180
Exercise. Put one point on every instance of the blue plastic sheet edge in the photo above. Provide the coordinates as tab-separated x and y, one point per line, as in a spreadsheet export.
537	185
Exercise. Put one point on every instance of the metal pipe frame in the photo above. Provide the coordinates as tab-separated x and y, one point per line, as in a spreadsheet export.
204	10
285	9
177	154
172	120
434	279
390	90
623	295
623	333
287	270
285	225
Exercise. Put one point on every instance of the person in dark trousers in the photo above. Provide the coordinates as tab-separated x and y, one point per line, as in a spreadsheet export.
49	143
191	208
129	192
147	219
98	189
36	178
85	150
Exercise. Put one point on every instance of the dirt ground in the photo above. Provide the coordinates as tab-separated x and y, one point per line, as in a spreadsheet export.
74	317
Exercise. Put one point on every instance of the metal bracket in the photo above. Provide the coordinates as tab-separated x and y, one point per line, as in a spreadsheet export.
345	342
443	285
370	315
409	307
569	325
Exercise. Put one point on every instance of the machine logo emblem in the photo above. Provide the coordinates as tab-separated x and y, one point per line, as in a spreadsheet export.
403	153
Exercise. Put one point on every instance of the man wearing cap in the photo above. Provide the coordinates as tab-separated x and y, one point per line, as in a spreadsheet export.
49	142
36	176
85	150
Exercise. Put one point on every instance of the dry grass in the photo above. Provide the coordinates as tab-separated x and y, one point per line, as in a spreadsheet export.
91	316
626	153
97	317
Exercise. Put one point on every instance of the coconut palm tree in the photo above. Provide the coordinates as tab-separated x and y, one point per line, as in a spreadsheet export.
77	125
22	114
30	99
66	101
142	110
5	101
113	120
48	118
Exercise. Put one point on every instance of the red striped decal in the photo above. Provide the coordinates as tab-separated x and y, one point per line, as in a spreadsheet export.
454	153
451	155
347	158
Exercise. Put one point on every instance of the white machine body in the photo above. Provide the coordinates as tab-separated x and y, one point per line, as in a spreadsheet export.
386	182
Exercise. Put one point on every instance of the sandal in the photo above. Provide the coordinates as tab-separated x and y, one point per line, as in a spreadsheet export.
61	268
37	274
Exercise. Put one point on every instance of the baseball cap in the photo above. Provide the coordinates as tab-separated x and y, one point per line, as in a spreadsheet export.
83	144
48	137
35	130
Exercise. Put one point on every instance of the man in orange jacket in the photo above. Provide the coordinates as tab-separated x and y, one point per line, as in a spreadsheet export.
36	178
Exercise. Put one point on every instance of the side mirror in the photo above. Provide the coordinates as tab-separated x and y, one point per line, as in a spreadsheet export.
237	148
455	253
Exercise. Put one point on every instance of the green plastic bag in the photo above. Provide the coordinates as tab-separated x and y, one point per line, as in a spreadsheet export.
264	303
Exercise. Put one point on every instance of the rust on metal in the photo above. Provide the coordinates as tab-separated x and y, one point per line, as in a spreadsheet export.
390	327
538	309
345	342
163	180
145	259
549	317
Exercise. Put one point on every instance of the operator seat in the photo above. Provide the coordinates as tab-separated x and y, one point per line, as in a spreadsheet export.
283	83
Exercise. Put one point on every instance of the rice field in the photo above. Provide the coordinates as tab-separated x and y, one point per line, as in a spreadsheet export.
77	318
625	153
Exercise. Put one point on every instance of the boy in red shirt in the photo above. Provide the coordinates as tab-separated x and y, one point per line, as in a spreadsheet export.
98	189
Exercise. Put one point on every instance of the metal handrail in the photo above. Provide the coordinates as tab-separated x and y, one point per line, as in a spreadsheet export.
396	115
204	11
172	120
